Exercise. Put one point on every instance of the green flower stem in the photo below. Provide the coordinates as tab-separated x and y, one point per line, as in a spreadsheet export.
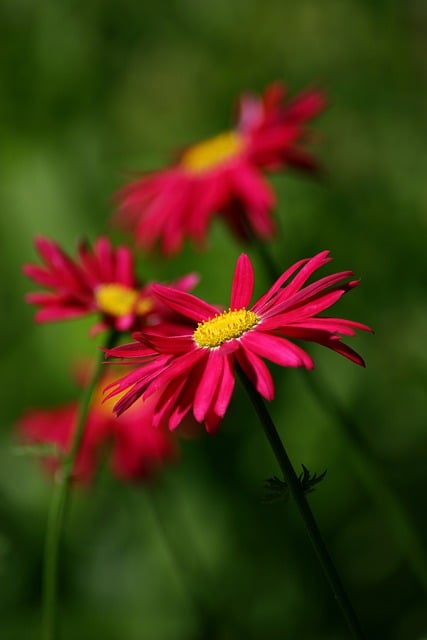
399	521
56	517
300	499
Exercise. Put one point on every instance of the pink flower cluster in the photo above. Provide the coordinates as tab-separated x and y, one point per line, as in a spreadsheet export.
136	450
185	351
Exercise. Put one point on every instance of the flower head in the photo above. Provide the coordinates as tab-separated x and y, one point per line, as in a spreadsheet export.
101	281
196	371
137	450
223	174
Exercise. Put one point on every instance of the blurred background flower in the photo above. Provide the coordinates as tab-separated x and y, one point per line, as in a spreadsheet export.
137	449
101	280
223	175
92	92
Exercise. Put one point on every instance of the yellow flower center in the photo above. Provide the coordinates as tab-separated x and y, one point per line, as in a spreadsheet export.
117	300
212	152
228	325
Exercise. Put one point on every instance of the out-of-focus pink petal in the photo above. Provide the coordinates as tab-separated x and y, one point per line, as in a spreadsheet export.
306	105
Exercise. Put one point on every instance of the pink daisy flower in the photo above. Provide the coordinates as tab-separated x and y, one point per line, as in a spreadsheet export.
101	281
136	450
196	371
223	174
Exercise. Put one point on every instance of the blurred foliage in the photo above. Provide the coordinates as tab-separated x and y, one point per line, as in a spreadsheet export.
92	91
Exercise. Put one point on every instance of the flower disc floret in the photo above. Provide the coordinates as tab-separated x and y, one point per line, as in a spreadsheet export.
213	152
229	325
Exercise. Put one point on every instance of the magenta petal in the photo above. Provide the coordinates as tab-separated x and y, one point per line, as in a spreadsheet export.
208	385
39	275
167	400
317	261
344	350
250	185
278	350
333	325
168	344
103	253
243	283
301	306
184	303
125	267
225	388
51	314
212	422
187	282
186	398
317	287
261	303
257	372
180	365
306	105
205	198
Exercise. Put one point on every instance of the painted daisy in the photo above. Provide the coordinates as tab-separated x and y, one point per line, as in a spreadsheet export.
223	175
196	371
100	281
136	450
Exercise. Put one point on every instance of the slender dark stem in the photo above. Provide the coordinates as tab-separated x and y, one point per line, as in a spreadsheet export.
399	520
58	508
300	499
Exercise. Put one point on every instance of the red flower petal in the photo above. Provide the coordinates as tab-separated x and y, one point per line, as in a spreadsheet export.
243	283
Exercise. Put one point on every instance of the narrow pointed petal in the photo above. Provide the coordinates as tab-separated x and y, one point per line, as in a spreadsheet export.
184	303
261	304
243	283
212	422
278	350
225	388
173	345
257	372
307	270
208	385
167	401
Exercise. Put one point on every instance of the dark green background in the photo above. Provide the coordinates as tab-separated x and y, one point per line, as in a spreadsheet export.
93	90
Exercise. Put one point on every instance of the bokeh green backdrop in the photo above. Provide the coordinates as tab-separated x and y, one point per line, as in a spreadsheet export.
94	90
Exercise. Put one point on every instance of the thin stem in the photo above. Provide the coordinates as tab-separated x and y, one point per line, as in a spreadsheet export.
58	508
298	495
400	522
